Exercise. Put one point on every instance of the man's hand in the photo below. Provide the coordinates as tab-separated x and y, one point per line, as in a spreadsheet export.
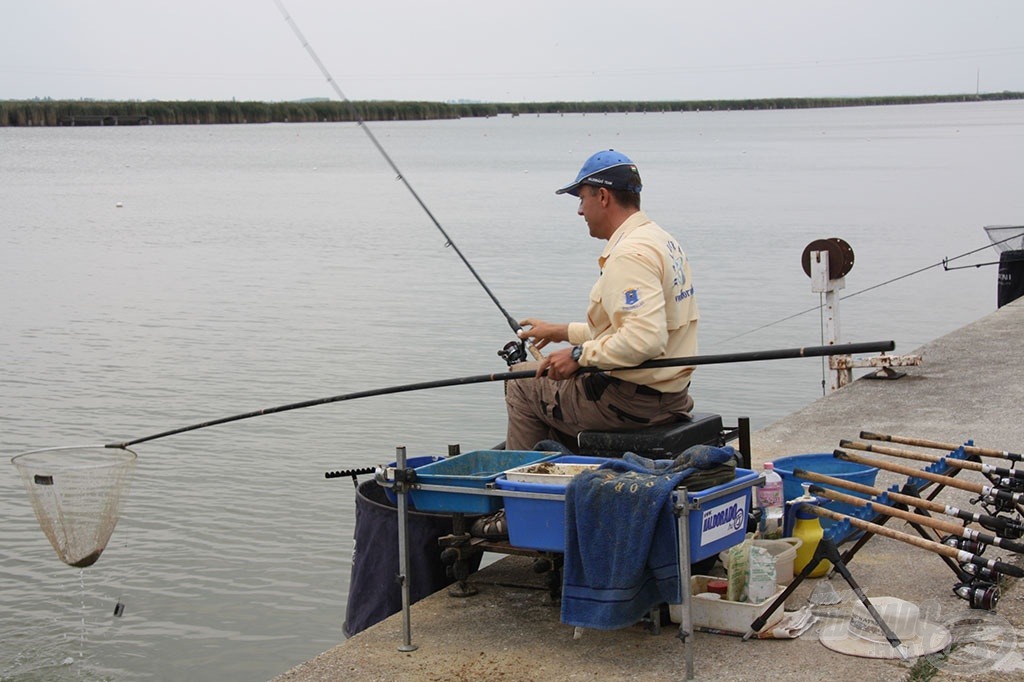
542	333
558	365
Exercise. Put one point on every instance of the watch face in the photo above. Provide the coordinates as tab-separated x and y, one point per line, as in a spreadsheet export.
577	351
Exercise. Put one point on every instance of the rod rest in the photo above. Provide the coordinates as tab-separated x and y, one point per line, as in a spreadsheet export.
701	429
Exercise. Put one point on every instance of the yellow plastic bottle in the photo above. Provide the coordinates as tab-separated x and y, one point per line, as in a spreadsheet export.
808	528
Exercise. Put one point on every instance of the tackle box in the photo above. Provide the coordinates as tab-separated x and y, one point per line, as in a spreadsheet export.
715	525
471	470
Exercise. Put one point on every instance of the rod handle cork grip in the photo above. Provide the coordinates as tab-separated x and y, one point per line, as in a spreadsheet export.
938	445
935	547
910	471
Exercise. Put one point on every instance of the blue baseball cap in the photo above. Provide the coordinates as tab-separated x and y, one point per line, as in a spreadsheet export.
609	169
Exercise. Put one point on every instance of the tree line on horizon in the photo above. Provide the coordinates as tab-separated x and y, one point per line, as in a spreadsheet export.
47	112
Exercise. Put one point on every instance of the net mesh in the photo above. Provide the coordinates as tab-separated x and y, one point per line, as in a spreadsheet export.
77	494
1006	237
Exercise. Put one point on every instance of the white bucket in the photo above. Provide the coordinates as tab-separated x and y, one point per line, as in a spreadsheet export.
784	551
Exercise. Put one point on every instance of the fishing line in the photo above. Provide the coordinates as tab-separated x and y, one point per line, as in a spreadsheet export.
354	113
942	263
749	356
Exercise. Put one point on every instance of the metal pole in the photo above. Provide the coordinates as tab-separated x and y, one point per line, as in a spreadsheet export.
686	619
403	553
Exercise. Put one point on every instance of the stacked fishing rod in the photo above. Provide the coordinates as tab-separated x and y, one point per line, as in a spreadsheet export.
957	535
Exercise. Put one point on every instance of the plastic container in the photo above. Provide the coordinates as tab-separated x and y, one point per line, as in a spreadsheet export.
808	529
722	614
770	499
473	469
558	471
824	463
714	525
540	524
784	551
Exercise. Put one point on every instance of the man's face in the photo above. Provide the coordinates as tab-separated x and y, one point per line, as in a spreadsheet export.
591	208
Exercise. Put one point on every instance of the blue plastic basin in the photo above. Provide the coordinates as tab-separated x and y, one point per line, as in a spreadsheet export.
824	463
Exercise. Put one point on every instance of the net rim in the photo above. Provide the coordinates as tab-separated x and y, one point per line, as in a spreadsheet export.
121	457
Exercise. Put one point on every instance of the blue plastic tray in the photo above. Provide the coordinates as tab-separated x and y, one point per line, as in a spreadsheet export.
473	469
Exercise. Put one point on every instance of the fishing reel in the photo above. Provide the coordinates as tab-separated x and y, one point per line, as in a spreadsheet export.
980	573
1004	527
978	595
513	353
994	505
964	544
1011	484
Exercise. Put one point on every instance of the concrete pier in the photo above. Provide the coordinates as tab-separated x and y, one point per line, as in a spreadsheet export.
969	386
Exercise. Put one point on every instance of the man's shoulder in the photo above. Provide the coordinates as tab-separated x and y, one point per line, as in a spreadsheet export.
650	232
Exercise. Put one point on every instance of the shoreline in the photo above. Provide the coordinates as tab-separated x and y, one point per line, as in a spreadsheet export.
91	113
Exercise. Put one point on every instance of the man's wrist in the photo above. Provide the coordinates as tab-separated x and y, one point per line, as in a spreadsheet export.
577	353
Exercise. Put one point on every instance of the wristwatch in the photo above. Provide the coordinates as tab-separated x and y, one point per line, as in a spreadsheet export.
577	353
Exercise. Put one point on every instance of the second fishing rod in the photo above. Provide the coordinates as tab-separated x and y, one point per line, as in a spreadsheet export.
513	351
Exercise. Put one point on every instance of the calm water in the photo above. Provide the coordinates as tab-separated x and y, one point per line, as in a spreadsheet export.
252	266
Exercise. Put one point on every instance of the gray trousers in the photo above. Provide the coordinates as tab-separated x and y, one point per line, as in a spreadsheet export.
541	408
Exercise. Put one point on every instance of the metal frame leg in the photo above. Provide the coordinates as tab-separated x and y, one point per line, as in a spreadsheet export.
403	557
686	619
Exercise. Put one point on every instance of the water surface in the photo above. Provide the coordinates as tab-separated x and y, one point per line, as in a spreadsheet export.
162	276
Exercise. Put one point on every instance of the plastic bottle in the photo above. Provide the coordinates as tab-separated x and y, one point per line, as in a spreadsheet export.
761	585
807	527
772	503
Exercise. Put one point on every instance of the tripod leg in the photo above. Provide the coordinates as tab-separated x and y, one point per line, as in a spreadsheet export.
832	554
816	559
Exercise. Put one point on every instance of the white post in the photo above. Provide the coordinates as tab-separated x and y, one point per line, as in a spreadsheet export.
821	283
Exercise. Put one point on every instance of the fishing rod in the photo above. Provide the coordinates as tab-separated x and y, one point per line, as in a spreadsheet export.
750	356
936	445
976	488
354	113
930	521
960	555
986	469
1005	526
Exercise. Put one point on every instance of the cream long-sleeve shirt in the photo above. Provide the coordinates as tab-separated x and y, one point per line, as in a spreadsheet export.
642	307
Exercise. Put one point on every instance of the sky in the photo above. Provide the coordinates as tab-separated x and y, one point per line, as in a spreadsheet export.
523	51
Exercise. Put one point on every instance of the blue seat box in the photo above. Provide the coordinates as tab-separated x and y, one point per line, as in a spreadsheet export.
470	470
714	527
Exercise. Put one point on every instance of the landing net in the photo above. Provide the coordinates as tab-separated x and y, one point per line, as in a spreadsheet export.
1006	237
76	493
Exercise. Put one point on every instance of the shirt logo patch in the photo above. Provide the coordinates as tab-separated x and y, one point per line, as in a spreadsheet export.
631	299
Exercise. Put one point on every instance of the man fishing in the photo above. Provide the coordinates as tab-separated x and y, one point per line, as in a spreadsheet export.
642	307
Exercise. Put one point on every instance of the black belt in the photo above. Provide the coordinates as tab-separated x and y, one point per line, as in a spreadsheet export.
641	389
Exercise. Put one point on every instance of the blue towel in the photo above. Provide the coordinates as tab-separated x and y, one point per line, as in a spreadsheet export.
621	545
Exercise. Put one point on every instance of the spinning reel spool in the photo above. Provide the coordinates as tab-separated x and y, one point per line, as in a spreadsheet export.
982	596
979	590
513	353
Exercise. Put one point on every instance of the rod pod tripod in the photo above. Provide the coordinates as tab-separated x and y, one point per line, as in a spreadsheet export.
827	551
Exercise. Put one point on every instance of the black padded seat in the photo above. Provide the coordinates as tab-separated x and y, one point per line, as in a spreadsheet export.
701	428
